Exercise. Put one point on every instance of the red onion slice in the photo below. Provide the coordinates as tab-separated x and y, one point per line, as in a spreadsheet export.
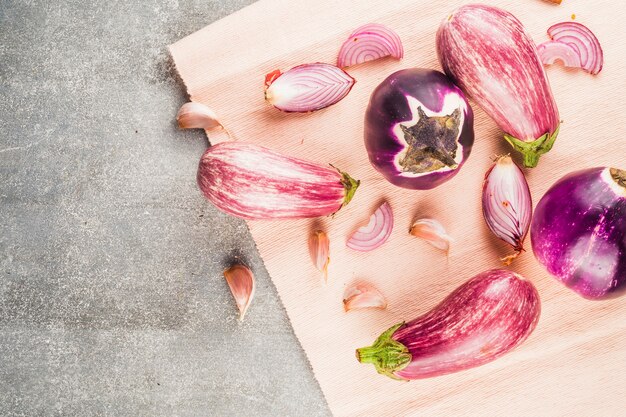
369	42
551	51
583	41
377	231
307	87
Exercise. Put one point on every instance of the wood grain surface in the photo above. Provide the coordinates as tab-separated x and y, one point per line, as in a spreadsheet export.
574	363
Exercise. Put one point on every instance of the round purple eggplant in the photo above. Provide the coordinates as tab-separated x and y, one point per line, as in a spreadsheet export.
419	128
578	232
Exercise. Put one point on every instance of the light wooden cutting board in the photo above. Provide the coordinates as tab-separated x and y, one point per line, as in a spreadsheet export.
575	361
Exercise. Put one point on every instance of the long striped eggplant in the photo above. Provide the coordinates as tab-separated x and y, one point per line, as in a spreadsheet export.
481	320
253	182
489	54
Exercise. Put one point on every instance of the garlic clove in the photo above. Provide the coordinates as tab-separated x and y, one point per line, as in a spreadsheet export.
319	250
363	295
242	284
197	116
432	232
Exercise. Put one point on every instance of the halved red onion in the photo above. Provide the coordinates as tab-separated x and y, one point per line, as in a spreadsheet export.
581	39
551	51
307	87
369	42
377	231
507	204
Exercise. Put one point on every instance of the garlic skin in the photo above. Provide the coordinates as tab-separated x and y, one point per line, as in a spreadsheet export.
197	116
363	295
242	285
507	204
319	250
432	232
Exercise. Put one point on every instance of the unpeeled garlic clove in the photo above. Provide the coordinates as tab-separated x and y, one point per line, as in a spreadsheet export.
363	295
432	232
197	116
242	284
319	249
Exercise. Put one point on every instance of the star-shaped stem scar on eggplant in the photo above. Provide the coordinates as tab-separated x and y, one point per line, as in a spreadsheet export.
432	142
619	176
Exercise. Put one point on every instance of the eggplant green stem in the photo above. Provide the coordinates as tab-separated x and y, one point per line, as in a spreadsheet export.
349	183
387	355
531	151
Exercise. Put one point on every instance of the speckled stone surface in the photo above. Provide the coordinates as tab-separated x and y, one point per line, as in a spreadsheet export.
112	300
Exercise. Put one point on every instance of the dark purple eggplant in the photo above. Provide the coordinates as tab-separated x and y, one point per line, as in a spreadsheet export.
419	128
578	232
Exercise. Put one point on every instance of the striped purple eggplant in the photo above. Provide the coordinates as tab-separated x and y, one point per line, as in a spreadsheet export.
489	54
579	232
481	320
253	182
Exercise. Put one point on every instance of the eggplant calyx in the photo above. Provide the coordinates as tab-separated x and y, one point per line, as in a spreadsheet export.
619	176
387	355
350	184
431	142
531	151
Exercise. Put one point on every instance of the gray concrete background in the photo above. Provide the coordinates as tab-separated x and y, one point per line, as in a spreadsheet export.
112	300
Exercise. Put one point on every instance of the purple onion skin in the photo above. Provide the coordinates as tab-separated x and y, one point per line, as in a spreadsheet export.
487	52
481	320
507	204
578	232
388	106
257	183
